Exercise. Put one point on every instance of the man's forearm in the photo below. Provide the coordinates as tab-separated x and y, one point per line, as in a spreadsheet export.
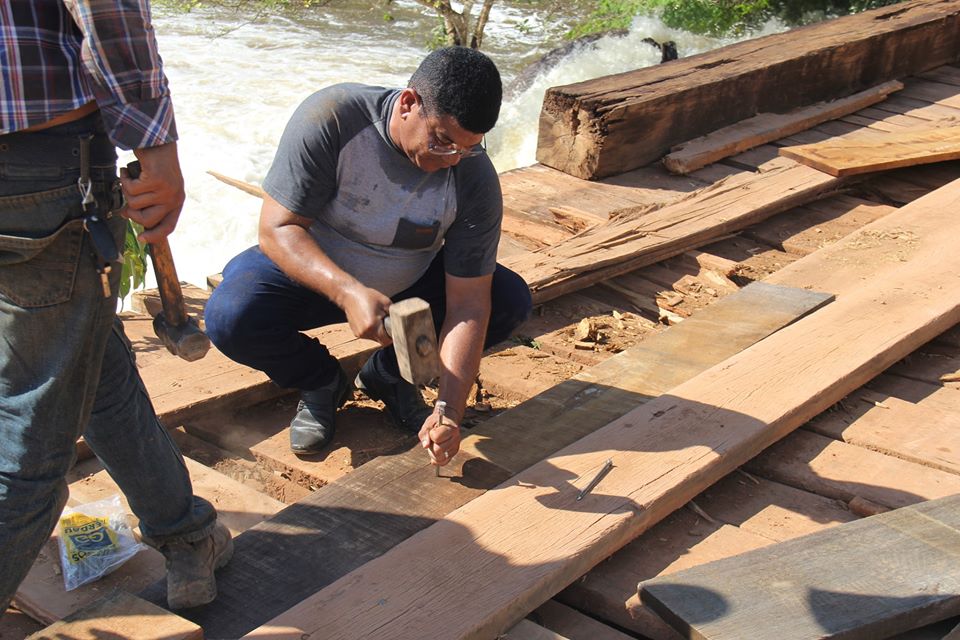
461	347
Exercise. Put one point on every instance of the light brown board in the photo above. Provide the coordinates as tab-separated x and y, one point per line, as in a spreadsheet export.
860	581
914	431
855	155
606	391
664	453
121	615
609	125
767	127
844	471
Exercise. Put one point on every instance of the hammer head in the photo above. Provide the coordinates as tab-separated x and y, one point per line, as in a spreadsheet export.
186	340
415	340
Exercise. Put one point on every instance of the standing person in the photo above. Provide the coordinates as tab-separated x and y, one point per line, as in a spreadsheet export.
377	195
80	77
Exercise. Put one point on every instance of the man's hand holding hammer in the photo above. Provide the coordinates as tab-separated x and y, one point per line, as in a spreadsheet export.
155	198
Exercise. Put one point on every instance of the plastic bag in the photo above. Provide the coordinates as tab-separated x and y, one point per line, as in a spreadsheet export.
95	539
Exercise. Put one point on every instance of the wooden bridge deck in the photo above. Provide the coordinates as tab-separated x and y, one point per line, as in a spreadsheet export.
889	444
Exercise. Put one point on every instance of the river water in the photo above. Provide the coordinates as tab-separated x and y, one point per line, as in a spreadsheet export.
236	80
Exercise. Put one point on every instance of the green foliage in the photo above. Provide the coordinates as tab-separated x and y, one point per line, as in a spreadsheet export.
718	17
134	268
525	341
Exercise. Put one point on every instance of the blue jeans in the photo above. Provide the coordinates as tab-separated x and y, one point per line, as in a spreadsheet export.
66	367
257	314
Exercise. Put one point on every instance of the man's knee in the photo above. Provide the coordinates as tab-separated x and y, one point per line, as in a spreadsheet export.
228	323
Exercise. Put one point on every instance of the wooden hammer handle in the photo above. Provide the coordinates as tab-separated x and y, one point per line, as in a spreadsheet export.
171	296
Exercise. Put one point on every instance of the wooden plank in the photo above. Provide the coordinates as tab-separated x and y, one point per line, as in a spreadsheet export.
527	630
744	513
253	589
637	238
945	74
767	127
863	580
183	391
943	94
121	615
843	471
923	434
334	530
664	453
612	124
812	227
606	391
847	157
571	623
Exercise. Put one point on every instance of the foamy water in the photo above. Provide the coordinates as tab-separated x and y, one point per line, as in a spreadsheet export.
235	85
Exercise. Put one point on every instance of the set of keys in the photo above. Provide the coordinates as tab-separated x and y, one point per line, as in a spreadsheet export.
94	223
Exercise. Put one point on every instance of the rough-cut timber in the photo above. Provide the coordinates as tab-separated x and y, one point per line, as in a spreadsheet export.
616	123
856	154
767	127
863	580
639	237
530	536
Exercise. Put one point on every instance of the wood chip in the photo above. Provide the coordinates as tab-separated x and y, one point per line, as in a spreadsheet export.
584	330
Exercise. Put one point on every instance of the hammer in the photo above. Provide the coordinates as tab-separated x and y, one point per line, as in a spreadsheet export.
179	333
410	325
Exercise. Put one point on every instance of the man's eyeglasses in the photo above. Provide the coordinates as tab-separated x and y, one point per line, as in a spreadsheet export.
437	149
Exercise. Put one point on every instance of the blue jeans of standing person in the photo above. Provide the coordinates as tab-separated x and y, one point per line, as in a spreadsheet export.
257	314
66	367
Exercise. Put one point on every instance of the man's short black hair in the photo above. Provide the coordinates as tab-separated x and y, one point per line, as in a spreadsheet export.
460	82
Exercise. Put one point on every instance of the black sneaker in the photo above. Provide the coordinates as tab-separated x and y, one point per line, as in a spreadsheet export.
403	400
314	425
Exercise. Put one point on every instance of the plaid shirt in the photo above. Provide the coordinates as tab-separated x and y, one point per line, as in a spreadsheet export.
58	55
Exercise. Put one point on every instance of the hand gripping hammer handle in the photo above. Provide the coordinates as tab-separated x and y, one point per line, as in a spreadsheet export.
180	333
171	295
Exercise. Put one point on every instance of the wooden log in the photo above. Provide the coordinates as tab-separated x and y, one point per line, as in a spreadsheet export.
640	237
121	615
855	155
609	125
864	580
531	536
767	127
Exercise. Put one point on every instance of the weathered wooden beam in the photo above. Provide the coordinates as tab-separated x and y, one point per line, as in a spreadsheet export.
613	124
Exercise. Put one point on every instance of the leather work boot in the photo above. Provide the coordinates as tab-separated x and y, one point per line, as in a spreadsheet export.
403	400
314	425
190	567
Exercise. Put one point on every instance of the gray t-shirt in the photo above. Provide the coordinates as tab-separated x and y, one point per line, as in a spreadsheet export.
377	215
